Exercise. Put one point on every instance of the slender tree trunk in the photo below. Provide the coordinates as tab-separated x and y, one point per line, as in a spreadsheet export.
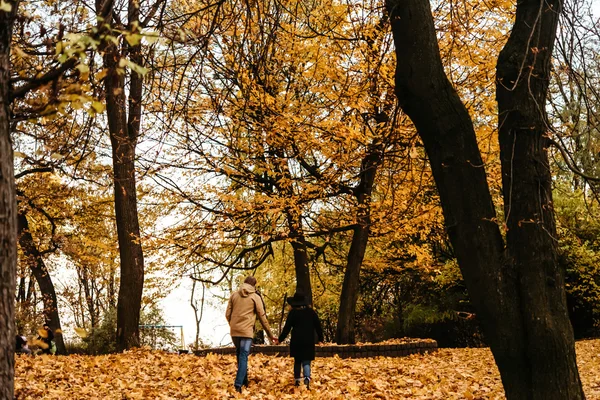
356	254
30	289
124	130
363	192
8	215
42	276
89	296
21	291
128	231
518	294
294	221
300	255
112	303
198	314
80	306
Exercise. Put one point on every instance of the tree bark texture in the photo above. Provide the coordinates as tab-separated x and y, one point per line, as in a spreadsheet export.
124	119
301	267
38	269
8	216
522	79
518	291
360	237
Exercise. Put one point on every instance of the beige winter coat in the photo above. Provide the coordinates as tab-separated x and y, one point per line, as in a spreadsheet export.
242	309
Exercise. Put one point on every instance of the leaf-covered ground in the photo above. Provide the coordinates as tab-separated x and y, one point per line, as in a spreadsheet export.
143	374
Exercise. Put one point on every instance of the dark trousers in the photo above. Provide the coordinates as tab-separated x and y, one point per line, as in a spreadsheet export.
301	365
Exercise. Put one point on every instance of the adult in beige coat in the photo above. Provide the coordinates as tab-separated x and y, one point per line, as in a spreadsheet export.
242	309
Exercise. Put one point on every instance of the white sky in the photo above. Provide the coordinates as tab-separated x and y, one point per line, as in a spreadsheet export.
214	329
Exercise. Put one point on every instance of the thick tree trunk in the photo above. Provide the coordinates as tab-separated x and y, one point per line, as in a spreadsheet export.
42	276
124	131
518	294
356	254
522	79
8	216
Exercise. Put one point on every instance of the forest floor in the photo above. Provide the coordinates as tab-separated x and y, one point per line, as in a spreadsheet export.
145	374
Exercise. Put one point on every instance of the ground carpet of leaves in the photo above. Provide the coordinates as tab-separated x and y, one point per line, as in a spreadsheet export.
144	374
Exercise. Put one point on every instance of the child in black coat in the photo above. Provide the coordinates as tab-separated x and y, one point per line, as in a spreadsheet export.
304	323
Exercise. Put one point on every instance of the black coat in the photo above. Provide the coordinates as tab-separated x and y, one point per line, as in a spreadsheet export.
20	342
305	325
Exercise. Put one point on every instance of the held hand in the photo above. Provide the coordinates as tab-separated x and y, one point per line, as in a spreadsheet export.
274	341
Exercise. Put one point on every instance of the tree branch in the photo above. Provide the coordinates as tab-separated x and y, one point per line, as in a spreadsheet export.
46	78
33	171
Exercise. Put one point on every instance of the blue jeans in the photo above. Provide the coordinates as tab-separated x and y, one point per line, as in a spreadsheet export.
242	350
305	365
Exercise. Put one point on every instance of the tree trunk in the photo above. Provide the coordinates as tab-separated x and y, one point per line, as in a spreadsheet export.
294	222
30	289
518	294
8	215
21	291
360	239
112	303
522	79
89	294
300	255
128	230
42	276
124	131
198	314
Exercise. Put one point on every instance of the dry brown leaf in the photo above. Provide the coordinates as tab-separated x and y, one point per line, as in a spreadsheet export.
82	333
39	343
144	374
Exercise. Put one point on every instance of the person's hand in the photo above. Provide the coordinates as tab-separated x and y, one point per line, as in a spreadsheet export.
275	340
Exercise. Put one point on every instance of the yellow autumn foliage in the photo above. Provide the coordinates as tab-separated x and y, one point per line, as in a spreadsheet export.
142	374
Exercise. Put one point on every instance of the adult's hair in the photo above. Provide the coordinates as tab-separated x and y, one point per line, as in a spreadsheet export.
250	280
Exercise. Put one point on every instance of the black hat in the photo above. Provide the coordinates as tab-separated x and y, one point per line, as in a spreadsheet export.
298	300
